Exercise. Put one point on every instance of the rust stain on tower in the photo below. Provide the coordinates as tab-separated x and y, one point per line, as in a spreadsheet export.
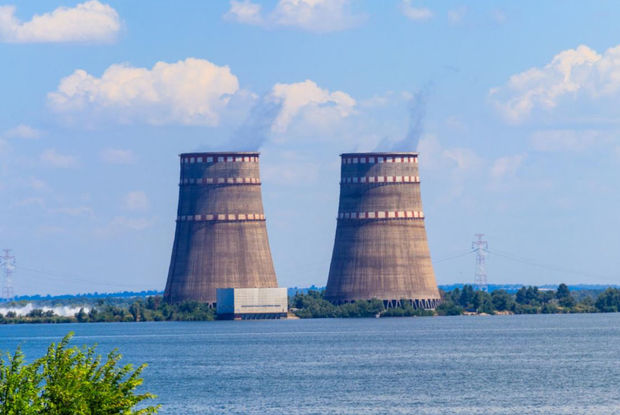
381	250
221	237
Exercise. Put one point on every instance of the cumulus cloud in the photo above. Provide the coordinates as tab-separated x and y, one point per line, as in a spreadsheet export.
23	131
457	15
291	169
319	16
53	158
245	11
91	21
415	13
438	157
38	184
120	224
75	211
136	200
117	156
572	75
192	92
314	102
567	140
506	166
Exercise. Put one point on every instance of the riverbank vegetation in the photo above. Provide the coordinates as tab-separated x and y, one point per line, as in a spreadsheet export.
312	304
70	380
466	300
149	309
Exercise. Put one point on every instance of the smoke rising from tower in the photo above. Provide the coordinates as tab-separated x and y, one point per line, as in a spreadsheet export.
416	107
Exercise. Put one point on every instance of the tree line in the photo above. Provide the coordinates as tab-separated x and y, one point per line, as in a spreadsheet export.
150	309
466	300
312	304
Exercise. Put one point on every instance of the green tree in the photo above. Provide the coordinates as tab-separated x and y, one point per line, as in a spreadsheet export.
565	299
608	301
81	316
19	390
562	291
71	381
467	296
502	301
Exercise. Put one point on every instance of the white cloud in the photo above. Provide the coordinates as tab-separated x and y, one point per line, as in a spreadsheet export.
117	156
136	200
91	21
318	104
415	13
245	12
319	16
291	169
567	140
437	157
572	75
193	91
55	159
38	184
23	131
457	15
31	201
506	166
463	158
121	224
499	16
75	211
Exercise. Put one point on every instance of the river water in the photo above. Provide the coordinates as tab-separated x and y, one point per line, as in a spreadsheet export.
540	364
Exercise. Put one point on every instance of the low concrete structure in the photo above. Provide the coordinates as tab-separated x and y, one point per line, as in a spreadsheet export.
252	303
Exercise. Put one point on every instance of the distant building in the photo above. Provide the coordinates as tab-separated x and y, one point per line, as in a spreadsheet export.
252	303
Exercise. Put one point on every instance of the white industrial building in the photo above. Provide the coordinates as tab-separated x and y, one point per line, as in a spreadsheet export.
252	303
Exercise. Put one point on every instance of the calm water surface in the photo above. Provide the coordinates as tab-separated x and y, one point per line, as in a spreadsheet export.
541	364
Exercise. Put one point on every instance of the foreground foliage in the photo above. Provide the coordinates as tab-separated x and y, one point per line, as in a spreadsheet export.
70	380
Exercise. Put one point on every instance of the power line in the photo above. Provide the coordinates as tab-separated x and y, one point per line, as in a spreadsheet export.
73	279
455	256
527	261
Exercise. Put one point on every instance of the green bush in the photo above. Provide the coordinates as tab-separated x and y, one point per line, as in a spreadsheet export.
70	381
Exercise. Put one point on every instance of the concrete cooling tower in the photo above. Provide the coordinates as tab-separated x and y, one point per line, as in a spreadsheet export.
221	237
380	250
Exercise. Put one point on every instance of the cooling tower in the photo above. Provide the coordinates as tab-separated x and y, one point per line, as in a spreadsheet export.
380	250
221	237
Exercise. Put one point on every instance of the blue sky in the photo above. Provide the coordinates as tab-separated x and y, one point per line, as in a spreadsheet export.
517	102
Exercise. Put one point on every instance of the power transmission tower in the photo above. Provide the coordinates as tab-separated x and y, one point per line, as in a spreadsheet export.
480	247
7	262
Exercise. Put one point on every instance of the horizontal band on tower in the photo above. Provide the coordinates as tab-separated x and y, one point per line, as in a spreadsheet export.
380	159
219	159
221	217
382	179
400	214
222	180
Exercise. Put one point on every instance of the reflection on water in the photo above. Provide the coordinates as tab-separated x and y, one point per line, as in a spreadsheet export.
541	364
